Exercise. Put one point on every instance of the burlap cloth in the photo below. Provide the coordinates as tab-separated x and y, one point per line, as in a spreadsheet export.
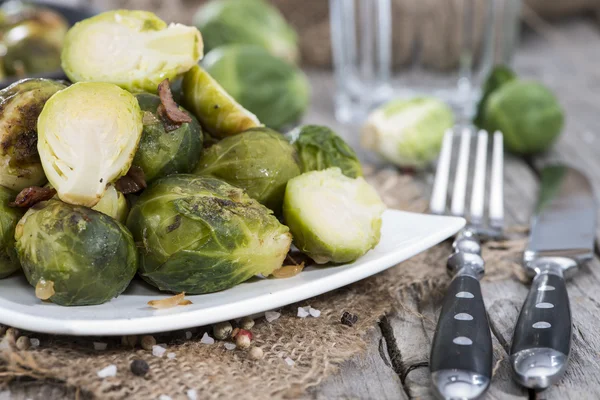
316	345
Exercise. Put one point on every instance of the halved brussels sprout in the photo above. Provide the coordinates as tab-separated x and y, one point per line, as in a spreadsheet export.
133	49
88	256
319	147
276	91
332	218
201	235
218	112
9	216
163	152
259	160
20	106
88	135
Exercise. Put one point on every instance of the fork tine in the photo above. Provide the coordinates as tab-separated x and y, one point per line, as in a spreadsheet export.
497	181
460	182
478	193
437	204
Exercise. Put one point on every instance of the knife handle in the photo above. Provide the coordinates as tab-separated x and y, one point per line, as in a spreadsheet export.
462	346
542	339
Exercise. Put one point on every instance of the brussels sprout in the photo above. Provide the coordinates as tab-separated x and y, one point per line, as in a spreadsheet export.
408	133
318	148
9	216
498	77
260	161
113	204
277	92
133	49
528	115
89	256
88	135
254	22
162	153
332	218
218	112
20	106
201	235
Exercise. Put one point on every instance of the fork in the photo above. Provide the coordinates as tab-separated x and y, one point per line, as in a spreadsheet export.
461	353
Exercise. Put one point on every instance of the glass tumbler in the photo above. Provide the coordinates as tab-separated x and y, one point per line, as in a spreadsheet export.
386	49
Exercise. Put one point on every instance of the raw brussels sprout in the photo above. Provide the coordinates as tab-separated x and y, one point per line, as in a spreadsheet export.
9	216
163	152
20	106
88	256
201	235
276	91
332	218
528	115
260	161
318	148
253	22
498	77
408	133
133	49
88	135
218	112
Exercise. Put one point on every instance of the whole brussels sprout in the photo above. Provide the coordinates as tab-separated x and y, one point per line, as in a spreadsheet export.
9	216
260	161
133	49
201	235
408	133
528	115
332	218
88	256
318	148
20	105
218	112
163	152
499	76
253	22
276	91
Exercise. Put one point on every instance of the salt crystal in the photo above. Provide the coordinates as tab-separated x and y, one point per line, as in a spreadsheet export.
289	362
100	346
314	312
188	335
164	397
229	346
170	356
111	370
34	342
192	394
207	339
272	316
158	350
302	313
5	395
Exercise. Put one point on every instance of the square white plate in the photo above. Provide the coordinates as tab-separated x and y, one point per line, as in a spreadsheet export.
403	236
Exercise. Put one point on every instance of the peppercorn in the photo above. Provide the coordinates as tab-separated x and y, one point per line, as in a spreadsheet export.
255	353
23	343
349	319
222	330
246	323
139	367
129	340
243	339
147	342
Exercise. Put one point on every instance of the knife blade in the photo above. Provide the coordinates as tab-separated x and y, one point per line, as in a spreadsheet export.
562	237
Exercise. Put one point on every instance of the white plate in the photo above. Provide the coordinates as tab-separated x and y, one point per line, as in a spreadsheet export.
403	235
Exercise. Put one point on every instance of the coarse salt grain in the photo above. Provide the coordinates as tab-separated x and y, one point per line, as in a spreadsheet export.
34	342
192	394
207	339
100	345
302	313
271	316
188	335
230	346
158	350
289	362
109	371
164	397
314	312
171	356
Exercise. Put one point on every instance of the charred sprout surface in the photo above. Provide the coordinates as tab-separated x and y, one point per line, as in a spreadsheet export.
87	138
90	257
9	216
200	235
260	161
162	152
319	148
20	105
133	49
332	218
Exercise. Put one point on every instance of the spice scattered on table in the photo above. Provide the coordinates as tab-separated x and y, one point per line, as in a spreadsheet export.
23	343
230	346
222	330
314	312
107	372
255	353
349	319
207	339
158	351
148	342
271	316
192	394
100	345
34	342
290	362
171	356
129	340
188	335
139	367
303	312
243	339
235	332
246	323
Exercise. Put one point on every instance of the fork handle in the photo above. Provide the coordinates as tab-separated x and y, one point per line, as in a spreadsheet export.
462	345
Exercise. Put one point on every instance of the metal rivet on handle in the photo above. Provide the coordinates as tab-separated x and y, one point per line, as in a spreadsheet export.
465	295
545	288
542	325
462	340
463	317
544	305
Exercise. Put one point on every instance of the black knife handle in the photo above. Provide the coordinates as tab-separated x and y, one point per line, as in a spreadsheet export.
542	340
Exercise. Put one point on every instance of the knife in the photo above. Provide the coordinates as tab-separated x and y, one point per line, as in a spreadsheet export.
562	237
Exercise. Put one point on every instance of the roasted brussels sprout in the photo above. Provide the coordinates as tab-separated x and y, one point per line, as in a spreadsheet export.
88	135
319	147
133	49
88	256
276	91
9	216
260	161
20	106
113	204
499	76
201	235
332	218
218	112
252	22
163	152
